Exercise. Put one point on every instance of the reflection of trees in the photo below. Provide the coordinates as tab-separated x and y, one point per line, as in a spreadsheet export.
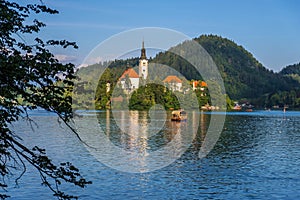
204	120
173	128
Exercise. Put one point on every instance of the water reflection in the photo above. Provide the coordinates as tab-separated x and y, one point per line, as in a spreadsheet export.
139	131
256	157
203	123
137	141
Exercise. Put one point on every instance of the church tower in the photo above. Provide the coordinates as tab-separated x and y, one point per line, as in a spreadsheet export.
143	64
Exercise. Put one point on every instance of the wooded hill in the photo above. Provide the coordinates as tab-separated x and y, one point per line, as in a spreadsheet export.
292	71
245	78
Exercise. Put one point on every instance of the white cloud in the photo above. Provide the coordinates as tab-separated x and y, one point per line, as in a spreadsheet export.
82	65
65	58
91	61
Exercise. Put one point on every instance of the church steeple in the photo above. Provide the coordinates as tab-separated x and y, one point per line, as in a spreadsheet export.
143	63
143	52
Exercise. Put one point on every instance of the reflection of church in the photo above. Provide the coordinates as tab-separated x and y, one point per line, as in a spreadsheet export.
130	79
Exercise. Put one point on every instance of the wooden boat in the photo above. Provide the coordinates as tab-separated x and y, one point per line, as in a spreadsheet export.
179	115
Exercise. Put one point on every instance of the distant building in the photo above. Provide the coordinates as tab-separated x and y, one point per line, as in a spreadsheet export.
130	78
201	85
173	83
143	63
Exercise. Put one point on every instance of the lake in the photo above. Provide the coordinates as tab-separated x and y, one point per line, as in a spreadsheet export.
257	156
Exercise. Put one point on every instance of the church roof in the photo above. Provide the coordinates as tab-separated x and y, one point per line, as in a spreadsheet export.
143	52
170	79
131	73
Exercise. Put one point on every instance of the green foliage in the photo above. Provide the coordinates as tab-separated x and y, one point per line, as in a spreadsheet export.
90	91
244	77
177	63
30	77
147	96
291	69
203	97
102	96
290	99
229	103
285	98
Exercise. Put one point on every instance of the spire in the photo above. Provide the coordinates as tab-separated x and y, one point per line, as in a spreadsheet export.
143	51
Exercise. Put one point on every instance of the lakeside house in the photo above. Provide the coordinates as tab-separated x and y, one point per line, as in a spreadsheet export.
129	80
173	82
201	85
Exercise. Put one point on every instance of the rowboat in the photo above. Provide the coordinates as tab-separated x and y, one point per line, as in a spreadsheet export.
179	115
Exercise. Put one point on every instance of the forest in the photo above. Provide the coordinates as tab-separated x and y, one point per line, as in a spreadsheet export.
245	79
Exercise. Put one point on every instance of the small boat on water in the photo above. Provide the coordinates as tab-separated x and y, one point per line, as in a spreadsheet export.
179	115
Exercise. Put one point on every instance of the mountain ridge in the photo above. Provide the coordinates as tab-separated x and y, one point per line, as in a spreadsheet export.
245	78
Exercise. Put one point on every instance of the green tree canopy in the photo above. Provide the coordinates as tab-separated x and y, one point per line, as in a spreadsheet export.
30	78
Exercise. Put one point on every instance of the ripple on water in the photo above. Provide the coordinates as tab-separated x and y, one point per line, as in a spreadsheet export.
256	157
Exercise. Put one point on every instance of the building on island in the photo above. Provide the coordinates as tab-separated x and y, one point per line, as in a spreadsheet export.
130	78
143	63
173	83
199	85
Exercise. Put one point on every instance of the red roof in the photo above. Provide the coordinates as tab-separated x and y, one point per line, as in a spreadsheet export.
203	84
131	73
171	79
199	83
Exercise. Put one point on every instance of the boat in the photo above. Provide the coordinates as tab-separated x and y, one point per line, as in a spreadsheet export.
237	107
179	115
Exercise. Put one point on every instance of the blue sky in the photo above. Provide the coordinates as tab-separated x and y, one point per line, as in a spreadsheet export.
269	29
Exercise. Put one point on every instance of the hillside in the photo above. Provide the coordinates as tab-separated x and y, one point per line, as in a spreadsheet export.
292	71
244	76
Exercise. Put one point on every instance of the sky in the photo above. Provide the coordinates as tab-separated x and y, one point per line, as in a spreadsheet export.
269	29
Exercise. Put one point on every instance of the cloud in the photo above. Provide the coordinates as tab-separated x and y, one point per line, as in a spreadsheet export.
82	65
65	58
91	61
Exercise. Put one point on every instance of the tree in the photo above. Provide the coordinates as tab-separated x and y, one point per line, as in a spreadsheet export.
31	77
103	93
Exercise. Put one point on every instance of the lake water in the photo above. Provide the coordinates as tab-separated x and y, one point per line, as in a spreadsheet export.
256	157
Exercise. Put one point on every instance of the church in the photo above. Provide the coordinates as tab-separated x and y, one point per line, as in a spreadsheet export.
130	79
133	76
